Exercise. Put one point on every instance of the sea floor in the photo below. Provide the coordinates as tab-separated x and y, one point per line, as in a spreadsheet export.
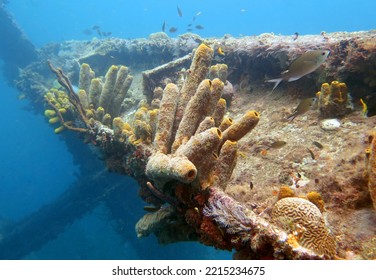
337	170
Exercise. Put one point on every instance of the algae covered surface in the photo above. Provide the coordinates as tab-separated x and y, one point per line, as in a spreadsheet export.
212	147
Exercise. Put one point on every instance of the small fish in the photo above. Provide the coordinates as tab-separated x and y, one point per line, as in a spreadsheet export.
318	145
189	25
173	29
302	108
196	15
220	51
179	11
95	27
303	65
99	32
164	26
364	107
189	29
311	153
21	96
251	185
277	144
87	32
199	27
296	35
106	34
150	208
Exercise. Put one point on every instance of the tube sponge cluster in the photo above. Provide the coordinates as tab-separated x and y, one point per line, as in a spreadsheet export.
140	131
102	100
191	153
199	153
334	100
59	99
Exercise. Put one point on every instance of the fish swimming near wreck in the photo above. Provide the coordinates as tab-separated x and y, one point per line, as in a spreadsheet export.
180	13
303	65
172	30
277	144
302	108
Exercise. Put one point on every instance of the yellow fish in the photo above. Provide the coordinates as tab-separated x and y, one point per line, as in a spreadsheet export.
364	107
303	65
220	51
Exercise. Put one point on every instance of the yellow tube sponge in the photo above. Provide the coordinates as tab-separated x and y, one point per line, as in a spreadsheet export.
118	99
83	98
325	90
207	123
108	87
166	116
141	113
241	127
200	146
122	75
194	113
122	130
99	113
123	82
86	75
338	92
197	72
153	120
117	126
226	163
215	94
226	123
54	120
333	100
59	129
106	120
95	92
142	130
163	168
295	214
219	111
49	113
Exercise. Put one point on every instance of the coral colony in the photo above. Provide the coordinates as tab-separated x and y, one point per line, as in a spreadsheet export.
218	162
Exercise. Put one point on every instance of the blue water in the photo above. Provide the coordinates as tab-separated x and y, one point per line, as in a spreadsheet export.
36	165
58	20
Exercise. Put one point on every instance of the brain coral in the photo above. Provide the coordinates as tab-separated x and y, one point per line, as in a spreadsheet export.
297	213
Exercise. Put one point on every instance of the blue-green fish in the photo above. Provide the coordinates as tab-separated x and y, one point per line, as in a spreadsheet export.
303	65
302	108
